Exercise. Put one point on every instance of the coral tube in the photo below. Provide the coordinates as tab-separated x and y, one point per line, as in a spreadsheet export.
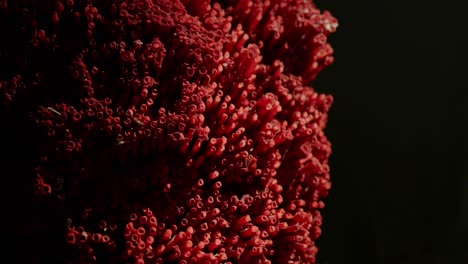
172	131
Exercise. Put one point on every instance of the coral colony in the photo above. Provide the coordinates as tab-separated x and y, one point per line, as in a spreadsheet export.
172	131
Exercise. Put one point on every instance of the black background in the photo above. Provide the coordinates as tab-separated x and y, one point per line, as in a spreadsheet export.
398	129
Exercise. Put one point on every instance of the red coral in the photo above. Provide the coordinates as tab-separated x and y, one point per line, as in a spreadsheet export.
174	130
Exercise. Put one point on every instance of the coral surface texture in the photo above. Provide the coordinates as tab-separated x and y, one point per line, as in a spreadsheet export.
171	131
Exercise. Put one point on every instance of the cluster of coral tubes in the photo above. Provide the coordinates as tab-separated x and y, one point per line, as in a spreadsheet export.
172	131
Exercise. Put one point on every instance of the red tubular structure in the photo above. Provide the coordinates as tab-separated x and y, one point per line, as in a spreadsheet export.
178	131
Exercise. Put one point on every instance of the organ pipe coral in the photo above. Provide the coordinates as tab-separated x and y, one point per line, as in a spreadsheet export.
172	131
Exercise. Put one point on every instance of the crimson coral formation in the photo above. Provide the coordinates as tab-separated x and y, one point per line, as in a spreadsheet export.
173	131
